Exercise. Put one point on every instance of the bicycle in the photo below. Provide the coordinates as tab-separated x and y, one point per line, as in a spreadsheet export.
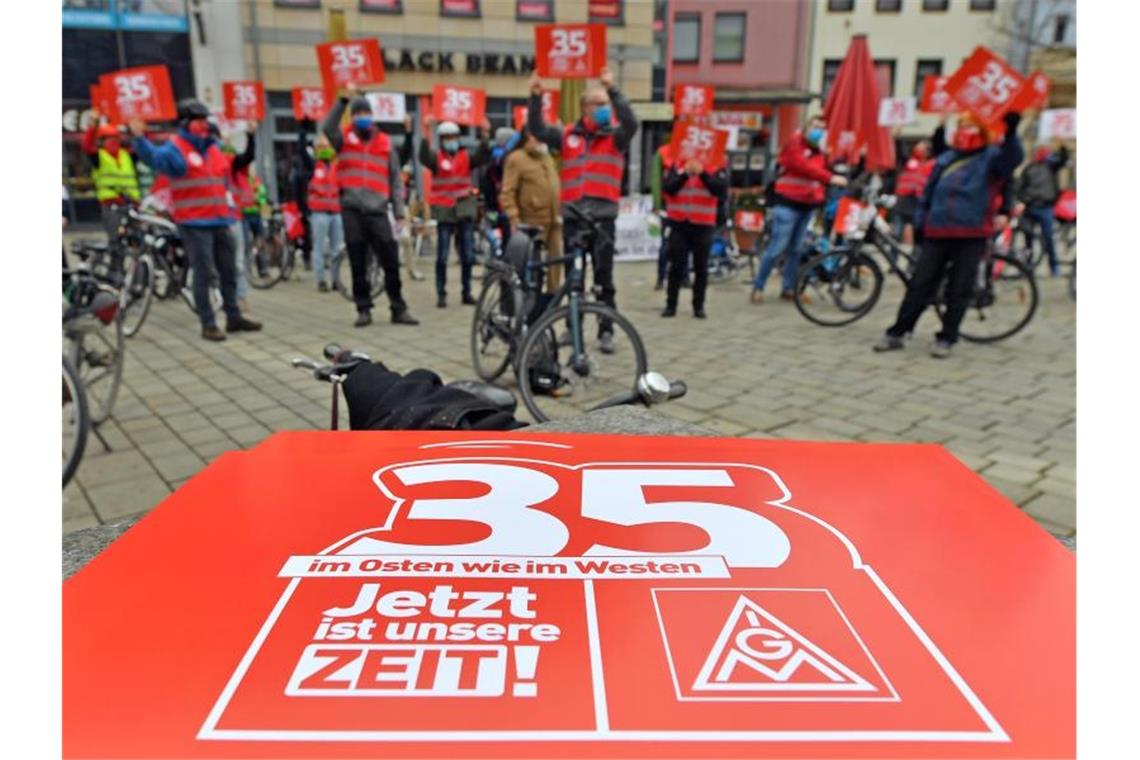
93	339
271	256
340	264
76	420
126	267
158	237
843	285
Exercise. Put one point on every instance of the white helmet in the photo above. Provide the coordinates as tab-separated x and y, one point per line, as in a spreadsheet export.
448	128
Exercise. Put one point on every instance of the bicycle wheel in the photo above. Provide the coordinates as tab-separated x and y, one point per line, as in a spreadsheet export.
494	326
723	270
187	292
137	294
97	351
554	385
342	275
264	267
1073	281
837	288
1002	305
288	260
76	420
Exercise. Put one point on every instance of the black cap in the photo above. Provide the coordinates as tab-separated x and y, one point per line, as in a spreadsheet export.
359	105
190	108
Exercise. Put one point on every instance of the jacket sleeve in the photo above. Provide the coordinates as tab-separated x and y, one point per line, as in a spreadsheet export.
1058	160
246	157
673	181
307	162
656	176
163	159
716	182
331	125
427	157
481	155
627	119
406	149
90	145
508	200
793	161
938	144
927	194
1008	157
547	133
397	180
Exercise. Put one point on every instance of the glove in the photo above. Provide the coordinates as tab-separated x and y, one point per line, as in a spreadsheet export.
1012	119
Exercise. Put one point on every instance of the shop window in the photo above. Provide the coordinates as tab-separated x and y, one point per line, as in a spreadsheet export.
382	6
925	68
606	12
687	38
728	37
460	8
534	10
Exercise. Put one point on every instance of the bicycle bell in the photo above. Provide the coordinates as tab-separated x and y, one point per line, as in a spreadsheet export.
653	387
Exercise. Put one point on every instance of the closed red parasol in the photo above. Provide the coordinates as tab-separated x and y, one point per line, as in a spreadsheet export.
852	111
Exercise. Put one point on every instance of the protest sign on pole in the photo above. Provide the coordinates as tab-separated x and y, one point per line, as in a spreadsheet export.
934	98
896	112
350	61
693	100
570	51
701	142
309	103
387	107
463	105
985	85
243	100
142	92
1034	94
1057	123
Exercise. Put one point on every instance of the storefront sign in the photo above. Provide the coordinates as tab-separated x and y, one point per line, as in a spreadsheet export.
745	119
651	111
450	63
468	595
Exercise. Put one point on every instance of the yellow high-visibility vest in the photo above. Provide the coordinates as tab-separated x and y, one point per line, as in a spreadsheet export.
115	178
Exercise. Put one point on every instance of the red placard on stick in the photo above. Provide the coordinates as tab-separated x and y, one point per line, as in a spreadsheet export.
143	93
101	101
463	105
345	61
749	221
693	100
309	103
985	85
848	216
699	141
1035	93
934	98
244	100
570	51
518	116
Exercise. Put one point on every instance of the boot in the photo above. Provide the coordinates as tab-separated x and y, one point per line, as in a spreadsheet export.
213	333
363	319
242	324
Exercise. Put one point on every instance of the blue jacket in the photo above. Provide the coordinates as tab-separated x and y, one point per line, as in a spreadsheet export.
961	195
166	159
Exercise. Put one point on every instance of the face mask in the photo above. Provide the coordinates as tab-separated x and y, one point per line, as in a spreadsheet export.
112	145
326	154
968	139
198	128
814	136
602	116
450	145
362	123
920	152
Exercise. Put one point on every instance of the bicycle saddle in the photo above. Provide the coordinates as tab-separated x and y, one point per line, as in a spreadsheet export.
529	229
518	247
500	398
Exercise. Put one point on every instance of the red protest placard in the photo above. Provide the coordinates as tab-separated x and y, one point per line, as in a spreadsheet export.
934	98
570	51
551	99
100	101
143	93
693	100
463	105
704	143
985	85
345	61
1034	94
244	100
749	221
557	592
518	116
848	216
309	103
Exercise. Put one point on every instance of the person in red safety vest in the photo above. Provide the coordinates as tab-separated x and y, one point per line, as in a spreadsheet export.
908	189
593	163
324	208
800	189
692	194
453	199
198	185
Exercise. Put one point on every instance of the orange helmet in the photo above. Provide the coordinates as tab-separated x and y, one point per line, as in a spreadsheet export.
107	130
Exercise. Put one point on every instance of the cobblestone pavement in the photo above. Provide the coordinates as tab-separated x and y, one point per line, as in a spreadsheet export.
1007	410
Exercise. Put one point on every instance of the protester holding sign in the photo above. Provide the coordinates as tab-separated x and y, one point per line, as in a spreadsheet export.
1038	189
368	175
693	191
197	170
453	199
323	202
800	189
112	170
239	165
954	221
593	162
908	189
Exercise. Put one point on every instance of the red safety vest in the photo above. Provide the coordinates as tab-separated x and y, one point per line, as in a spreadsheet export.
796	187
591	166
365	165
246	190
201	192
692	203
912	180
324	196
452	180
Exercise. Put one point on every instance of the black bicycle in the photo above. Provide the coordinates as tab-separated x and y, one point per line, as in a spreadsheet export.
843	285
271	256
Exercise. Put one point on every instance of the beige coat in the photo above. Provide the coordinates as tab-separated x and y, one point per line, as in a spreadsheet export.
530	188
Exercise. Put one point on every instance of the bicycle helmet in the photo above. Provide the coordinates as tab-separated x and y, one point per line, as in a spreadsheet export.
191	108
359	105
448	129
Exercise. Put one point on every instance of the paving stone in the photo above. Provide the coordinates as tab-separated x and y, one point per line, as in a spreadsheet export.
128	497
97	468
1055	509
177	466
200	436
1018	493
248	436
1011	474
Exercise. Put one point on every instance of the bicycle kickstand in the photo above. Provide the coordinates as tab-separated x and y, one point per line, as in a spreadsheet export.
102	440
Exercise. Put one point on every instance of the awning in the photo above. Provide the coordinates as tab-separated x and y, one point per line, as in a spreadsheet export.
724	95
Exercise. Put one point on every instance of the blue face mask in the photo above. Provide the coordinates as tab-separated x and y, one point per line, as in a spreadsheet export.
602	116
814	136
362	123
450	145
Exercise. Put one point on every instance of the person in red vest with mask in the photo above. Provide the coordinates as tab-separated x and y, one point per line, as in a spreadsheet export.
908	189
198	184
368	175
324	208
692	195
800	189
452	199
593	162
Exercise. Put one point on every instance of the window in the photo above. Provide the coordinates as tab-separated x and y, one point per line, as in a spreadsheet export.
1060	27
298	3
605	12
728	37
885	75
981	5
382	6
687	38
830	70
925	67
888	6
840	6
534	10
460	8
934	5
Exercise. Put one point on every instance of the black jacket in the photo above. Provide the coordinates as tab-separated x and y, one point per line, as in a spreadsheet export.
1037	185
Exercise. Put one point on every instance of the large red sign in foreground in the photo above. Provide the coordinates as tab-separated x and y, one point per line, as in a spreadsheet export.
446	595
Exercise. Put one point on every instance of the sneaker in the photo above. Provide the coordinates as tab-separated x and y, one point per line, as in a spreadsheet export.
699	314
941	349
787	295
889	343
417	276
441	302
242	324
468	300
404	318
757	296
670	311
213	333
323	286
606	343
363	319
243	307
